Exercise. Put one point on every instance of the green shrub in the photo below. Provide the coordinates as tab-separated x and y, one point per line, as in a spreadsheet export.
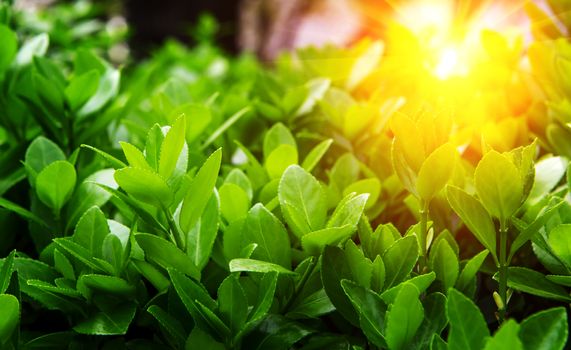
197	199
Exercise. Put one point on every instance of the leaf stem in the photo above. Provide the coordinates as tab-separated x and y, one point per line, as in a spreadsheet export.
423	233
503	270
177	234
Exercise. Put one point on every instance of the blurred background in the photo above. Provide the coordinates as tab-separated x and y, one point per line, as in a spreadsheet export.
261	26
266	27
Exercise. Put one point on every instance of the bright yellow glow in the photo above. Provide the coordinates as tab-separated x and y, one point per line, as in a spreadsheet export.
450	63
445	47
461	60
427	19
447	64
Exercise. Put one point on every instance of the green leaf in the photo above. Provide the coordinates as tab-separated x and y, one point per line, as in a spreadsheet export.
232	240
113	252
349	211
316	88
314	305
55	340
190	291
198	339
251	265
371	186
81	88
63	265
9	48
232	303
375	243
153	145
409	143
293	98
560	279
166	254
173	327
531	230
315	155
314	242
280	333
41	153
499	185
545	330
470	270
91	230
35	46
278	161
345	171
378	274
6	270
198	118
83	255
400	259
276	136
523	159
234	202
533	282
199	191
371	311
560	242
302	200
437	343
135	157
473	214
65	290
202	236
49	68
468	330
435	171
421	282
197	301
445	263
55	184
404	317
434	322
135	206
111	320
361	267
152	273
107	89
10	316
89	194
145	186
227	124
402	167
171	147
334	268
266	290
264	229
548	173
34	269
107	284
85	60
237	177
505	337
115	163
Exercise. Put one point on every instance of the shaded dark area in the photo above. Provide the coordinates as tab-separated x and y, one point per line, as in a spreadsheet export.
153	21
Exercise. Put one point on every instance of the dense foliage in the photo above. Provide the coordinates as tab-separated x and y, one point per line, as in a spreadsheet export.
342	199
